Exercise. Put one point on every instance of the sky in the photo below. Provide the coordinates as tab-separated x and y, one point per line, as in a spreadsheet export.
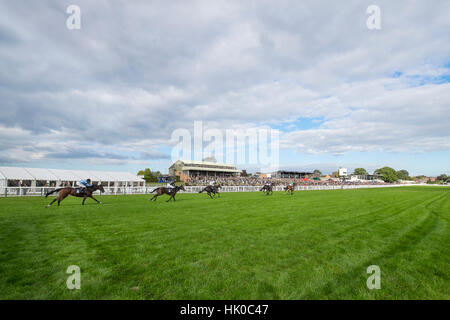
108	96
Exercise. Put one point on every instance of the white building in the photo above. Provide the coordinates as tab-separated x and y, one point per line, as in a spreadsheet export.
342	172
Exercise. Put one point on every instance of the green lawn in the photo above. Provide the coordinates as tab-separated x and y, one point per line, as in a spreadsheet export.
312	245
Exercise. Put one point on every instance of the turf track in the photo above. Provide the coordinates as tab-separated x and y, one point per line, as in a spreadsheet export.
312	245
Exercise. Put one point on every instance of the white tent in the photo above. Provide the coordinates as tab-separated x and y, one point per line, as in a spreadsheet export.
101	176
15	173
65	175
41	174
125	176
56	177
2	180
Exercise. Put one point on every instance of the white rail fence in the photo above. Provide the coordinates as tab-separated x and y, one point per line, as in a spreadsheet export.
41	191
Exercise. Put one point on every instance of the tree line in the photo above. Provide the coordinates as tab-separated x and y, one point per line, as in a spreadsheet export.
388	174
149	176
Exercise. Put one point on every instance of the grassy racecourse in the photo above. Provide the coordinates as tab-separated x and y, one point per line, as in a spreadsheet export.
312	245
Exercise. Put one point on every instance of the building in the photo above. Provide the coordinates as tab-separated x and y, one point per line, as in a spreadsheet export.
186	169
342	172
39	177
365	177
291	174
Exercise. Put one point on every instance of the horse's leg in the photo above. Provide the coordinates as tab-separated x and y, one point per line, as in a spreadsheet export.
84	199
51	202
92	197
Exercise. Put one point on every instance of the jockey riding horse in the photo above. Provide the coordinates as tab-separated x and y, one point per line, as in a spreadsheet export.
75	192
290	188
170	191
212	190
267	188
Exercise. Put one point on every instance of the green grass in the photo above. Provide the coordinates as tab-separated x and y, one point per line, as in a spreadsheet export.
313	245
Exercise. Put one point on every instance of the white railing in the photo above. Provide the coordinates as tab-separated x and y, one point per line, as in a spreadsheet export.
41	191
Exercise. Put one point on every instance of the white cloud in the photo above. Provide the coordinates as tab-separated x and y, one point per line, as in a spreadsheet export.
134	73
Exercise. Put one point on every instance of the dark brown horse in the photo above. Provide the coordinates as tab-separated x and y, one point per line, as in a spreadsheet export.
75	192
267	189
290	189
212	191
163	190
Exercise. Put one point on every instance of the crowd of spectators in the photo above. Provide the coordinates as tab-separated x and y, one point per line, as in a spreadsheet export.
259	181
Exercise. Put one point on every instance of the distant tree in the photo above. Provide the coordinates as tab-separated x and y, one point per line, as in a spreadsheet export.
335	174
317	172
360	172
442	177
244	173
403	175
387	174
149	176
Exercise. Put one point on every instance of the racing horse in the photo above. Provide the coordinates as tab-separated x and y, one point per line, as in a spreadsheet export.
163	190
290	189
212	191
267	189
75	192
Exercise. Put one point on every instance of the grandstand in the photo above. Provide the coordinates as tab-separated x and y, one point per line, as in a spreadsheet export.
39	177
291	174
186	169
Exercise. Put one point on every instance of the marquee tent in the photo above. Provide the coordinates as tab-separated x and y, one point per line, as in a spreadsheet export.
35	177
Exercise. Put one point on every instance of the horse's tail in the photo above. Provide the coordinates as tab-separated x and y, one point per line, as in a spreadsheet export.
50	192
154	190
202	190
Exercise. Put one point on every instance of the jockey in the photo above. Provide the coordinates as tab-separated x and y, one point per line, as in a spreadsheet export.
83	184
212	184
170	186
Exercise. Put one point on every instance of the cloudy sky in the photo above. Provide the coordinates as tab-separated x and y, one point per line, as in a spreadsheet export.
109	95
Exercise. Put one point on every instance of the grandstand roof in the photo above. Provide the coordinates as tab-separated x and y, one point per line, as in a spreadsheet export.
191	162
203	165
185	168
17	173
